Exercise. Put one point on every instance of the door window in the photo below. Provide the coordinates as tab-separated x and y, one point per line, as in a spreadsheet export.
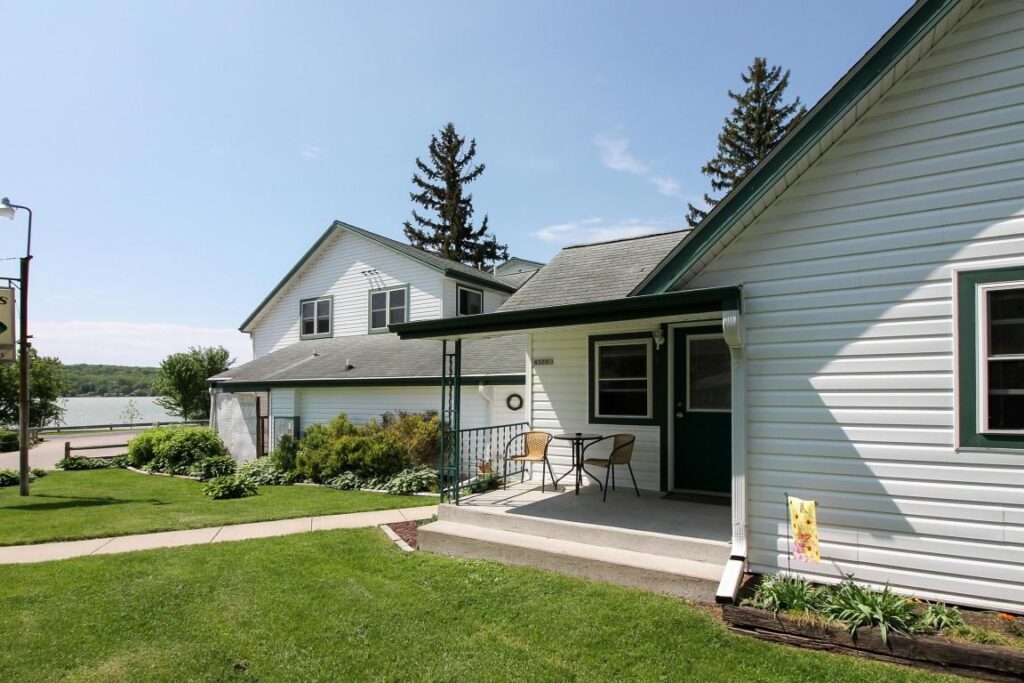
709	374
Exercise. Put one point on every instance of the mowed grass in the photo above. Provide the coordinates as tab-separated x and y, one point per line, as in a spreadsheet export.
348	605
96	503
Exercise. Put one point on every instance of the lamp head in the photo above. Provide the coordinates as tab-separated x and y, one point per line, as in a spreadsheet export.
6	210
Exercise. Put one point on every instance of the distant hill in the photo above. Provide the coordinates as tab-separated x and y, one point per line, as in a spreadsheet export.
110	380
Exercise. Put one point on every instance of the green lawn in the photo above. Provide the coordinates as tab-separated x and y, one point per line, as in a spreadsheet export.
348	605
96	503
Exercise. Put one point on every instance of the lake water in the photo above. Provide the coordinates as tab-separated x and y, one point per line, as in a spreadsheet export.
98	410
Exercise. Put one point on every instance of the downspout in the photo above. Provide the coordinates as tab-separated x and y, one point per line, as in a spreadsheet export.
732	577
489	400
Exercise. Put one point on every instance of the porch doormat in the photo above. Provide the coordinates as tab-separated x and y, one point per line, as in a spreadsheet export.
697	498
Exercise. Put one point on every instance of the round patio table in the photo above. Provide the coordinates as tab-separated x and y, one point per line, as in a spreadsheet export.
578	440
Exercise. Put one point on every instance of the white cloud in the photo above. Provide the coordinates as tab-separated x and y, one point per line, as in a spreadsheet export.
587	230
127	343
615	155
312	152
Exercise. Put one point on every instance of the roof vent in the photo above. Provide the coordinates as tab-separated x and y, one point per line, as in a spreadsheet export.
315	353
348	365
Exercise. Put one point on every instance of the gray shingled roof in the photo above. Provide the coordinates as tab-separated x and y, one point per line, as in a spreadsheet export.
376	356
594	272
517	280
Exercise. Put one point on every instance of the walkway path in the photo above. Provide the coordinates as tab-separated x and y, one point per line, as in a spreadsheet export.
43	552
47	453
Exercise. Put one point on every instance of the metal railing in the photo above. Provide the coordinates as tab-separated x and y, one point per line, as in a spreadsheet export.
115	425
482	451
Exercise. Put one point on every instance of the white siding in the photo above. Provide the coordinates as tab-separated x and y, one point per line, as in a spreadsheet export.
234	418
341	269
492	298
849	329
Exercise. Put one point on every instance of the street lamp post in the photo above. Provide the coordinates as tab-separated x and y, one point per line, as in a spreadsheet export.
7	210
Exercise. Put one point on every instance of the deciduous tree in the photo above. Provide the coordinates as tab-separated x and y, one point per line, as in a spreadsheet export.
47	383
181	382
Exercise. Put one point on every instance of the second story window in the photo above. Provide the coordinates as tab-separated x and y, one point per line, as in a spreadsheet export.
471	301
388	307
315	318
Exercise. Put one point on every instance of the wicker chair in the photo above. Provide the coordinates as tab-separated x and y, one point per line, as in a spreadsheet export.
621	454
534	449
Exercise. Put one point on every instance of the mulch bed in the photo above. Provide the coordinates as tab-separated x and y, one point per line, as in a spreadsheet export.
407	532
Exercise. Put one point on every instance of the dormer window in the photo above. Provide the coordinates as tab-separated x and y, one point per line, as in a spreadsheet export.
471	301
315	317
388	307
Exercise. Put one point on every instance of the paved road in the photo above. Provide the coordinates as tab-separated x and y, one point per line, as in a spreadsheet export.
51	450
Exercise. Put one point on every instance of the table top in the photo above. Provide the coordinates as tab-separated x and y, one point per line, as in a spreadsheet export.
577	436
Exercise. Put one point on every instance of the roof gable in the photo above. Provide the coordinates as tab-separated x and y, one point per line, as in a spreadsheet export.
790	158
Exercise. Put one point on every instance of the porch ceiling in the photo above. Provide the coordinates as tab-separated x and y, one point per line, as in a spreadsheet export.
691	301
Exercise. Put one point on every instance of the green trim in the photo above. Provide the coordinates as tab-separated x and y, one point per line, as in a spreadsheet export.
967	357
662	408
710	300
842	98
397	247
387	311
479	281
592	416
330	331
458	300
487	380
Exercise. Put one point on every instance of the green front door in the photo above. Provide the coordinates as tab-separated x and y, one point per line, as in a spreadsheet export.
702	410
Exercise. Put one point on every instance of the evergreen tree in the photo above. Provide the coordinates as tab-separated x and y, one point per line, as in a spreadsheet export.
450	233
758	121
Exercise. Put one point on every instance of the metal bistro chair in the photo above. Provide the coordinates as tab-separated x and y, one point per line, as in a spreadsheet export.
535	449
622	454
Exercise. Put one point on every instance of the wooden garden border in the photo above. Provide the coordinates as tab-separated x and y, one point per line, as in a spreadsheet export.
986	662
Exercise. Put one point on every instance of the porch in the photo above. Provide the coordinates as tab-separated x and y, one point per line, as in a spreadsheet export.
678	547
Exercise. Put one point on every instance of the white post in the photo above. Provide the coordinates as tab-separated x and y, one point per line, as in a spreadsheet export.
732	330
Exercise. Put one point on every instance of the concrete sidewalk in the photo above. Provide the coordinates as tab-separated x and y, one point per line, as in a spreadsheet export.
44	552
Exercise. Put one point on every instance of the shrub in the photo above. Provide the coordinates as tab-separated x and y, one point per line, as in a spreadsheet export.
9	478
8	440
486	481
284	455
347	481
419	435
938	616
412	481
38	472
262	471
232	486
213	467
782	592
142	448
856	606
176	453
81	462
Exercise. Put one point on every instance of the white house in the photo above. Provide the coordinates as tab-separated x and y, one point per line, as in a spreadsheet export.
321	344
847	326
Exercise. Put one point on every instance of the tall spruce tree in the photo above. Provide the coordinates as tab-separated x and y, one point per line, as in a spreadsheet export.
758	121
441	184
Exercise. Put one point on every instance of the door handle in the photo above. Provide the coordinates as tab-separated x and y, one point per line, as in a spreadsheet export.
679	414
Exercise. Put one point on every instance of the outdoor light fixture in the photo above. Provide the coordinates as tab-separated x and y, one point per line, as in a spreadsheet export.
7	210
659	338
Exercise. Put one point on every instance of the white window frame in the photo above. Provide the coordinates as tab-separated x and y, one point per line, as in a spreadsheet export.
330	317
982	357
637	341
386	291
458	299
689	406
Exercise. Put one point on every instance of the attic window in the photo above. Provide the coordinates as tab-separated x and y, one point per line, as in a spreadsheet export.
388	307
471	301
315	317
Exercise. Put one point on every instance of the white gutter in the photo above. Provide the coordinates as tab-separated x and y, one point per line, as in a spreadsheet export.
489	400
732	577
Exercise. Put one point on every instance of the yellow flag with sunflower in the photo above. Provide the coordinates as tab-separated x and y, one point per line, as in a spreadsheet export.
803	524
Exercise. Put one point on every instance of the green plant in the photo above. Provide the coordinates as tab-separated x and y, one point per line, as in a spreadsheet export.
346	481
176	453
142	448
8	441
9	478
487	481
284	455
938	616
412	480
37	472
81	462
418	433
855	606
781	592
213	467
974	634
330	449
232	486
262	471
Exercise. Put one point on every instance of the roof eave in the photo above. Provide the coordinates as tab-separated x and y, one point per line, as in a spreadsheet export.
915	23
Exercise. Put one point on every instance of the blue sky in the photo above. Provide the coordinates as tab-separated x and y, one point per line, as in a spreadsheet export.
181	156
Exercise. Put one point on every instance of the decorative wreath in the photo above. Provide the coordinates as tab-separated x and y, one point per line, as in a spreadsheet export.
514	401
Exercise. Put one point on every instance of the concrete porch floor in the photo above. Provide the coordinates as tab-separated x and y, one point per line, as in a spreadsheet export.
649	513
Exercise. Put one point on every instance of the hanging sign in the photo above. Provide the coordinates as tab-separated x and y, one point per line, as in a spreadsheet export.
7	325
803	524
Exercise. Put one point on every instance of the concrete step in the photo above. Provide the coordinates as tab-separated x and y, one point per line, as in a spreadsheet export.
673	576
621	538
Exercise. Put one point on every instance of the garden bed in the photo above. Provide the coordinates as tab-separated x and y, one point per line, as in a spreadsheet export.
987	662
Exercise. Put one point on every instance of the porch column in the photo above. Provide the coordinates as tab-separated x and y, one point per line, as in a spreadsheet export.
732	330
450	469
